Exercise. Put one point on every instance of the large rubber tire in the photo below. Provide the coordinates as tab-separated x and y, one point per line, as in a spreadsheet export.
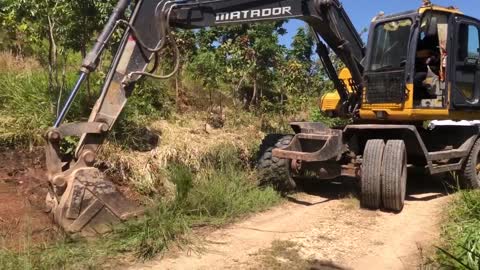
470	174
394	175
272	171
371	174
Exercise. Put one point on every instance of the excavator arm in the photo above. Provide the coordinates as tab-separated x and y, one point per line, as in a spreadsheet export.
80	198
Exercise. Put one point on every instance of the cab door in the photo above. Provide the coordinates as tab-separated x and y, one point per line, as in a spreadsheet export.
465	72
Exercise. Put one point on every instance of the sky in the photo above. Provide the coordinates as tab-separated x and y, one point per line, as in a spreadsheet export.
361	12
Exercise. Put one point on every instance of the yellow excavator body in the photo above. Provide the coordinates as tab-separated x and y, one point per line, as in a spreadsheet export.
330	102
407	110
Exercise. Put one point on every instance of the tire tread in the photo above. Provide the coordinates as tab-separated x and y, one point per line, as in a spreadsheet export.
274	171
468	176
371	174
393	184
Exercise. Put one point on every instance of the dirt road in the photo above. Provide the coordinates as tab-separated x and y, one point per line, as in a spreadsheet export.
322	230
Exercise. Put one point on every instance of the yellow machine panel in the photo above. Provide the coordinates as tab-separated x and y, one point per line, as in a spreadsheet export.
408	110
330	102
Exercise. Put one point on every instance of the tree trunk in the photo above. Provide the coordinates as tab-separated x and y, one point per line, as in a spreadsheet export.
253	102
52	60
237	89
177	92
64	82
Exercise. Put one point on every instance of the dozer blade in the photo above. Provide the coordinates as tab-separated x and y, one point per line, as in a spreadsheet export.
90	204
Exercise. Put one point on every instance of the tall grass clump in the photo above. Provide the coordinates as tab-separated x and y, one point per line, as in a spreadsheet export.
25	108
461	234
28	107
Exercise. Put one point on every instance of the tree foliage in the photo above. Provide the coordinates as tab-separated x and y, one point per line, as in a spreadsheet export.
244	62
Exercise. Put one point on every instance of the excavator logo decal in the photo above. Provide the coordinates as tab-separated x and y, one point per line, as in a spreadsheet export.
252	14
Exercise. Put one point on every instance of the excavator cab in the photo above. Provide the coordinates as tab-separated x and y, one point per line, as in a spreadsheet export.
430	61
430	57
405	66
422	65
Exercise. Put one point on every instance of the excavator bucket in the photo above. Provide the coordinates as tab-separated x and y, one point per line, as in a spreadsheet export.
81	200
90	204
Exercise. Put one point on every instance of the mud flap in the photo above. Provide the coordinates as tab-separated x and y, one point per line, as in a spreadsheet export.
90	204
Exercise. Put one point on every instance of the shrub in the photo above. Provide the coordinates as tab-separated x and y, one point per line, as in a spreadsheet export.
317	115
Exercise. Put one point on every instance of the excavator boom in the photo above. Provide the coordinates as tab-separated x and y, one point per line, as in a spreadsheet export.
81	199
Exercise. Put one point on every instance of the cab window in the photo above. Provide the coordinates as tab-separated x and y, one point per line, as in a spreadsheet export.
468	55
469	42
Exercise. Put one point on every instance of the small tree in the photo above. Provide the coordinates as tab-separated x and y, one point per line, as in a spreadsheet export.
62	24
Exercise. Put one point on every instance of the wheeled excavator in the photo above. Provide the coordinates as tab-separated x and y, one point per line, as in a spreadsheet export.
417	66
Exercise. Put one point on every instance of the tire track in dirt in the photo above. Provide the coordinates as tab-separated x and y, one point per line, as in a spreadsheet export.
324	228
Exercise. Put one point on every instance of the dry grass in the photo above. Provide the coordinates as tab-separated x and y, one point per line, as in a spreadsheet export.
12	63
351	202
185	141
283	255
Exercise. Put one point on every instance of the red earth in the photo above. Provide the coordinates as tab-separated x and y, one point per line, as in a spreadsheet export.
23	187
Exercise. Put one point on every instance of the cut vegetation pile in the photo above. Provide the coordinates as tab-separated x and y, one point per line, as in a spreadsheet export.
185	141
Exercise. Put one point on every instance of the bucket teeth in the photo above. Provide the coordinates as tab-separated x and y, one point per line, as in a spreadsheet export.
91	204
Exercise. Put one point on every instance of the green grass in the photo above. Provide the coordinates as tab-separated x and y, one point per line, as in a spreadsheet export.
65	254
461	233
28	108
218	194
